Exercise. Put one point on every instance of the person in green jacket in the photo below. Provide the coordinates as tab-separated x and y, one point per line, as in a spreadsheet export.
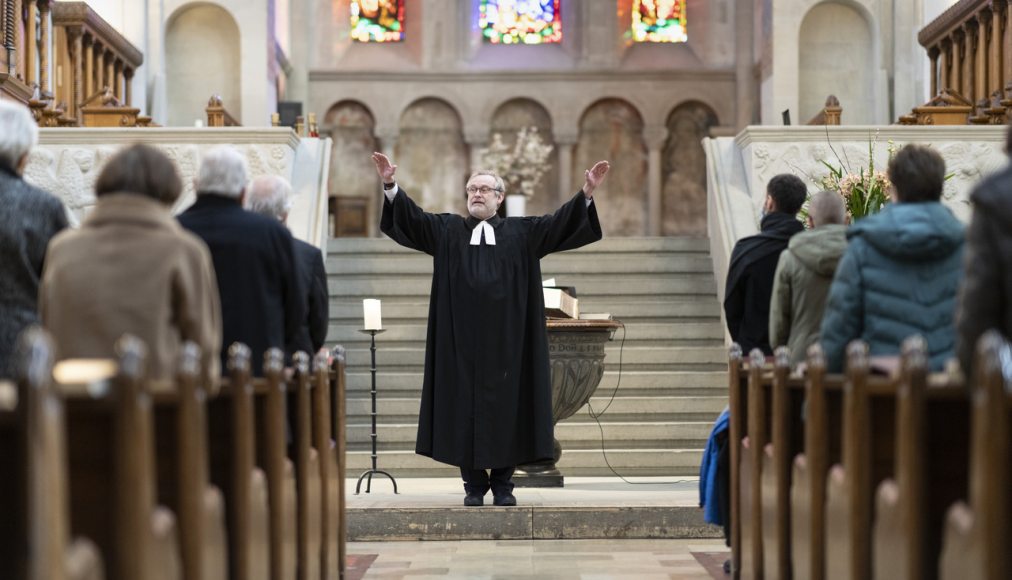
804	273
902	269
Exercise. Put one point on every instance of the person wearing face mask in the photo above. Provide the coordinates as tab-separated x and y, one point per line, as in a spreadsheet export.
749	287
486	396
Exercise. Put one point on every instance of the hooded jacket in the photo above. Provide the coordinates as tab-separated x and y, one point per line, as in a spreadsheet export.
800	287
986	298
899	277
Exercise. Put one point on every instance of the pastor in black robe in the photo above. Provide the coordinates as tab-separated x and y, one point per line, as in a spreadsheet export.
487	393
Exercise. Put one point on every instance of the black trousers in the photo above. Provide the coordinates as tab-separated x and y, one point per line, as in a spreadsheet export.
479	481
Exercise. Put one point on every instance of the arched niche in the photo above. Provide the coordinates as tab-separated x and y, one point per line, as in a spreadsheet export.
839	57
683	197
352	174
431	157
612	129
507	120
201	59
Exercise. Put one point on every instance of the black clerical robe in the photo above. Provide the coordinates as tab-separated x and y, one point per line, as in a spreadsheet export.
487	394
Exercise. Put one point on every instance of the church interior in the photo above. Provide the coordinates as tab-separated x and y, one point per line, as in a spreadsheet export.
697	105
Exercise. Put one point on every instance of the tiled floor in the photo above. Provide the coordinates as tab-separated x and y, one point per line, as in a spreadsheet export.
541	559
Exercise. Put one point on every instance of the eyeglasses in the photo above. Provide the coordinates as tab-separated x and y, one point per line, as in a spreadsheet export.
484	190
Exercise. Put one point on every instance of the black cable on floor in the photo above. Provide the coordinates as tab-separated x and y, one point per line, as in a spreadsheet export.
597	416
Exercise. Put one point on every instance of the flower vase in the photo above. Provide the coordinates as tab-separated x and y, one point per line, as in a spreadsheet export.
516	205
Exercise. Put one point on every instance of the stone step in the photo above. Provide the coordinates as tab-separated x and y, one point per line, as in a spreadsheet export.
652	409
572	435
411	265
588	286
359	246
577	462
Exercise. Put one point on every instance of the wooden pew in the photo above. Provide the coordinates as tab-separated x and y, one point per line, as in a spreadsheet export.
181	441
822	442
978	533
33	489
272	435
322	411
232	449
932	436
750	469
338	524
737	393
309	480
111	468
783	397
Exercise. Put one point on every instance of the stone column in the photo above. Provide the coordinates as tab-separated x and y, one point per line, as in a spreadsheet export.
564	144
44	35
31	50
477	140
655	137
745	77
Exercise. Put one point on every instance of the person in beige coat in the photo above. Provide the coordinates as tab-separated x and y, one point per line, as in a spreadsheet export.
804	274
131	268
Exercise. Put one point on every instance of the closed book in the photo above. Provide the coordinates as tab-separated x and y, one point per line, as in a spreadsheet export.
559	304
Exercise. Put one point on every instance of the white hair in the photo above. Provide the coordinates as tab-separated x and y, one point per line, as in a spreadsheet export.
270	195
223	172
18	133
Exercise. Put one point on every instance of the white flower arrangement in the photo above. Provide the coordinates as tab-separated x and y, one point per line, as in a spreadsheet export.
521	165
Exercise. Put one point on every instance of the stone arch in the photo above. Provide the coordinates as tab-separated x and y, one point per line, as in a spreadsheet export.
507	120
840	57
612	129
351	125
202	58
683	170
431	155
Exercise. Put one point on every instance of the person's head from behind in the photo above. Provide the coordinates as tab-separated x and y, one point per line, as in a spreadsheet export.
826	207
140	170
785	193
269	195
18	134
222	172
484	193
917	173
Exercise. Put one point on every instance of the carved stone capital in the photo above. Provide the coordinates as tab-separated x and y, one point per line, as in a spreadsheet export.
655	136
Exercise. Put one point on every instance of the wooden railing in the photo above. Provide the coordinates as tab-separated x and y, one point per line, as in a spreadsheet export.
24	66
217	115
970	48
830	113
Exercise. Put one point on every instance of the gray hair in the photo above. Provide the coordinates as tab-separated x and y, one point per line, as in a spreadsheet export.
827	207
18	133
270	195
223	172
500	185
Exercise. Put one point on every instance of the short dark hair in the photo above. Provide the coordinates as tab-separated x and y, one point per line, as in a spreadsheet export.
141	170
788	192
918	174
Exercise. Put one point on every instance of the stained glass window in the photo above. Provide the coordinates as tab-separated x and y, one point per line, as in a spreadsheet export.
520	21
377	20
658	21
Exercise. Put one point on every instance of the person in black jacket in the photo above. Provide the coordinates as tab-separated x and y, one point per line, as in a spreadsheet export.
749	287
263	303
29	218
271	196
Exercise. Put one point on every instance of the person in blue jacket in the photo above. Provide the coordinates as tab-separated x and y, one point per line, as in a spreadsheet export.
901	272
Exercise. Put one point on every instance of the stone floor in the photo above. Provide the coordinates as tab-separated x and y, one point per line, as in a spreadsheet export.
544	559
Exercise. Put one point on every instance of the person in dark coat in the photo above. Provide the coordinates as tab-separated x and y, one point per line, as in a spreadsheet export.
487	395
271	196
985	299
749	286
29	218
901	271
262	301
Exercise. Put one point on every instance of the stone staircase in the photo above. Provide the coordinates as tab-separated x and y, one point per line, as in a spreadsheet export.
673	379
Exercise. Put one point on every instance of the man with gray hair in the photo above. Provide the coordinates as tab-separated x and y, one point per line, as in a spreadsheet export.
271	195
29	218
804	274
262	301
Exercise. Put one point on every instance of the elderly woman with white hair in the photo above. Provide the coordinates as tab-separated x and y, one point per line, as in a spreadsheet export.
29	218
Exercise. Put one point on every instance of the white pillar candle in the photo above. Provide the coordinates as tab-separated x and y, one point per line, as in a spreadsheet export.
373	321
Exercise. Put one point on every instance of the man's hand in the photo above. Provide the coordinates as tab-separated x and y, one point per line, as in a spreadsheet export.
384	168
595	176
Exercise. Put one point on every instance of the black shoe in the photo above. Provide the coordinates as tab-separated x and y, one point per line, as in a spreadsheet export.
504	499
474	500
